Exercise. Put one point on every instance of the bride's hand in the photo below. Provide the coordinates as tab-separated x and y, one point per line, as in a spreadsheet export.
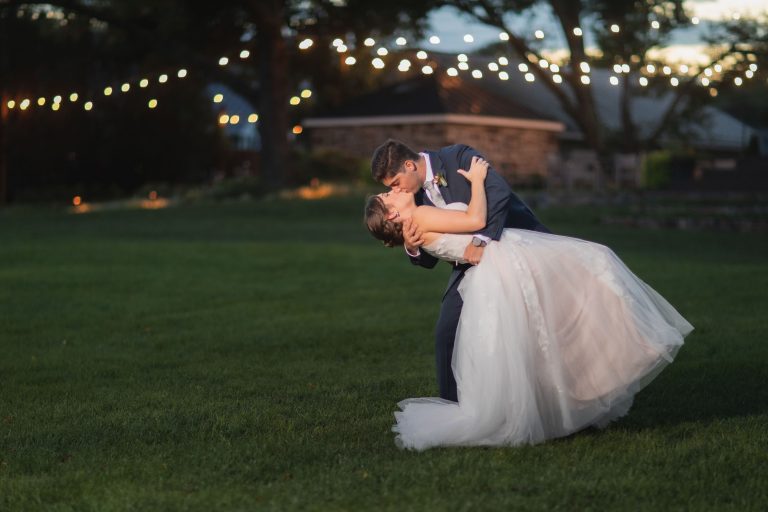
477	171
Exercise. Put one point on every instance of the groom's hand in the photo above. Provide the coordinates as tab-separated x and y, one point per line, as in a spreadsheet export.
412	236
473	254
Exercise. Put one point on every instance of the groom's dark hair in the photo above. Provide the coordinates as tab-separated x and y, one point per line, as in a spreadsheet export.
376	213
388	159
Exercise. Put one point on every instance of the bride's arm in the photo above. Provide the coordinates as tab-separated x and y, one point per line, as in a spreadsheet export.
451	221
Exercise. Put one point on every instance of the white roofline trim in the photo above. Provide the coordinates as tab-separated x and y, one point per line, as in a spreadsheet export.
509	122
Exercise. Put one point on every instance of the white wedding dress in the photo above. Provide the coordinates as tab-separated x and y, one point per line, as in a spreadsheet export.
556	334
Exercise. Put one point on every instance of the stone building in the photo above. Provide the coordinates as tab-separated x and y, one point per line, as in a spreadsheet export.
428	112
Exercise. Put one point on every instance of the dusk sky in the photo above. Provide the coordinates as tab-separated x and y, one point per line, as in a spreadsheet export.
451	26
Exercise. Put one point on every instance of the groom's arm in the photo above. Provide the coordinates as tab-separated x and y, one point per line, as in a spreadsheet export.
424	260
498	194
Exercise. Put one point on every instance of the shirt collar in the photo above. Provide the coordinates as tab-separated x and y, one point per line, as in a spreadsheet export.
430	174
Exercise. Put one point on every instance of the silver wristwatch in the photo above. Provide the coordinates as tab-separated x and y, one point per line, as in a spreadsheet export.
478	242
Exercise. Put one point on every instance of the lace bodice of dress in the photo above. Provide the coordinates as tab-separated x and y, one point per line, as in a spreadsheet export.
450	247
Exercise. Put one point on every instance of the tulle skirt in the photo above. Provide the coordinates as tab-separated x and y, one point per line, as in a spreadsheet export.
556	334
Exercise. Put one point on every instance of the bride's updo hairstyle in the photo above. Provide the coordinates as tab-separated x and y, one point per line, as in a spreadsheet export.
391	233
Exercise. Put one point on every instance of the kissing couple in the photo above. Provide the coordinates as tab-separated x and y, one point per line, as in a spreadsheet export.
539	335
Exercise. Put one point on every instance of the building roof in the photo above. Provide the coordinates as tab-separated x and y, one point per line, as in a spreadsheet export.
517	98
433	94
713	128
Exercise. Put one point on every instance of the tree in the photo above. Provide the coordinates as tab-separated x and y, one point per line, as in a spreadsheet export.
625	32
119	144
279	23
147	34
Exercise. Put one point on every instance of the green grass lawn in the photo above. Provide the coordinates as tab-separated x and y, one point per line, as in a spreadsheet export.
249	356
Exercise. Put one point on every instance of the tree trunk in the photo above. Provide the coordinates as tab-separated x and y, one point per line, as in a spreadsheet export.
568	13
273	101
3	111
3	149
631	141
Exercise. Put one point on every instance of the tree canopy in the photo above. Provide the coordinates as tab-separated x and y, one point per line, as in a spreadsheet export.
57	48
625	33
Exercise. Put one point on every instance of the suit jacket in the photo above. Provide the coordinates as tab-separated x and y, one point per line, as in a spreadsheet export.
505	208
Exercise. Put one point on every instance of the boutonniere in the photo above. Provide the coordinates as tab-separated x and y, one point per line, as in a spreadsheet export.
440	180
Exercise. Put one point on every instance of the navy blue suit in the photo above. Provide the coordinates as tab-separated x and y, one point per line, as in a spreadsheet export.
505	210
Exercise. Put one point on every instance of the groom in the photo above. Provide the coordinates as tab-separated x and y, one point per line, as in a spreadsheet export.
432	177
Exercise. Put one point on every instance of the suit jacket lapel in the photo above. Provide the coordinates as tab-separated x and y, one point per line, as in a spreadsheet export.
439	168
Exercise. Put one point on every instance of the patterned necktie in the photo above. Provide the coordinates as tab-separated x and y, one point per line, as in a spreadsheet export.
434	194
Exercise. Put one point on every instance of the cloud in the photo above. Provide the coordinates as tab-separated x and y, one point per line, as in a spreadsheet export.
720	9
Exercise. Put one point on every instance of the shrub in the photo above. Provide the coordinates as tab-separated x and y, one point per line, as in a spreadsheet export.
668	169
656	170
330	165
236	188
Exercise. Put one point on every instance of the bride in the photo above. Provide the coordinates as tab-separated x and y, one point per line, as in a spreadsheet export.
556	333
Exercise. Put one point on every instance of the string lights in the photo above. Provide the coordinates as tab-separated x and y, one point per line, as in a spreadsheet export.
712	75
707	77
584	76
125	87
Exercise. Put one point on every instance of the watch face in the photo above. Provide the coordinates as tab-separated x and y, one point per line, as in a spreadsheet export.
476	242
